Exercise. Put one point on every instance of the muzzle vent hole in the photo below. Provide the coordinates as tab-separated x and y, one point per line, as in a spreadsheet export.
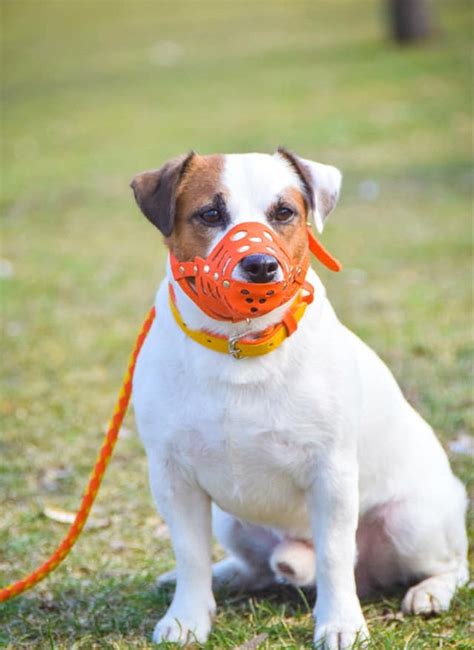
262	300
253	309
244	292
243	249
270	293
248	299
239	235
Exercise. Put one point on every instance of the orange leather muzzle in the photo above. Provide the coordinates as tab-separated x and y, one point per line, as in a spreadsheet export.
209	282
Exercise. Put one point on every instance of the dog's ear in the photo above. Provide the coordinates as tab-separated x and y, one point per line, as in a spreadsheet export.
155	192
322	184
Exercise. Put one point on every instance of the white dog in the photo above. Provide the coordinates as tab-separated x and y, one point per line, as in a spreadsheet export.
316	467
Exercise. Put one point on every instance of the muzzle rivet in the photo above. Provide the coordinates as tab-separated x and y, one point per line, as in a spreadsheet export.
206	268
216	276
226	284
195	269
181	269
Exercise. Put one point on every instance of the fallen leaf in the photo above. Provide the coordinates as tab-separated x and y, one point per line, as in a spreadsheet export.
67	517
251	644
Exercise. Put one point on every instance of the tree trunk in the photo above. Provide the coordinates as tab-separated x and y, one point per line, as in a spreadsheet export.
410	20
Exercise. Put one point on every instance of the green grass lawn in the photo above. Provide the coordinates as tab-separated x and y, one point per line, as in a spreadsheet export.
97	91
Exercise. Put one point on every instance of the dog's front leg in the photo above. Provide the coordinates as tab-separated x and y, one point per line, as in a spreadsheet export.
333	507
186	509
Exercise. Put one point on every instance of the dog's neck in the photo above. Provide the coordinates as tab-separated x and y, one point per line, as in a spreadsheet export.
196	319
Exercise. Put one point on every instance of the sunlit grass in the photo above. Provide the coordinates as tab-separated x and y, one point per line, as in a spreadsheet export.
95	92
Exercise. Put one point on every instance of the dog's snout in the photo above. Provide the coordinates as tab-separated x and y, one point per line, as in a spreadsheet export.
259	268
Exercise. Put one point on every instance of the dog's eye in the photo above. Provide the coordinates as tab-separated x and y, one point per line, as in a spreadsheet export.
283	213
211	217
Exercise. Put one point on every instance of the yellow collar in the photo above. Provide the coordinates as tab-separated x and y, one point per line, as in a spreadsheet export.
245	345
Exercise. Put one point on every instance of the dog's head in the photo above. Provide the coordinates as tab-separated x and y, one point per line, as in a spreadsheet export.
195	200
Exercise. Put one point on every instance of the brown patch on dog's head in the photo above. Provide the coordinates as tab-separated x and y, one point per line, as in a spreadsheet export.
294	233
170	197
155	192
199	188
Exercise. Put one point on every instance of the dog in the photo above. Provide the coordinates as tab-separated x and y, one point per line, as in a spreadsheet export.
305	460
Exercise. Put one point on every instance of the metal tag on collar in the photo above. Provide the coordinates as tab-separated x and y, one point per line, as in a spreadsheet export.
232	347
233	340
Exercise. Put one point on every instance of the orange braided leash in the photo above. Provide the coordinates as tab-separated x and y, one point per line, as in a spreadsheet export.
95	480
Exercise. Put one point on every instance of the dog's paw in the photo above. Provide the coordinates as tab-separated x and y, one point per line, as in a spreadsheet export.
341	636
429	597
293	561
182	631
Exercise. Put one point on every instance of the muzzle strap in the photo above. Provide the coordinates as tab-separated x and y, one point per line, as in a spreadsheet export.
322	254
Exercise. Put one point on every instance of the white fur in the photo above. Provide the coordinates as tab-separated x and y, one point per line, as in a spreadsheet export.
306	444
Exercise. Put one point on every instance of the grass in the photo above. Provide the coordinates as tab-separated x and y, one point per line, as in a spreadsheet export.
96	91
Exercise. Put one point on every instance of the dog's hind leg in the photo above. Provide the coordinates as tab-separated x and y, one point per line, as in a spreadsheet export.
419	541
441	560
247	567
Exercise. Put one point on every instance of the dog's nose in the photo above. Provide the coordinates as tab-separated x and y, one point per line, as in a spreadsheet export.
259	268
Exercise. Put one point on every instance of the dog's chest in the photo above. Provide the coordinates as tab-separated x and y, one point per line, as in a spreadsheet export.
249	432
251	452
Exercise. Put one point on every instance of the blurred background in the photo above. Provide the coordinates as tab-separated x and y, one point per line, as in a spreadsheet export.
96	91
